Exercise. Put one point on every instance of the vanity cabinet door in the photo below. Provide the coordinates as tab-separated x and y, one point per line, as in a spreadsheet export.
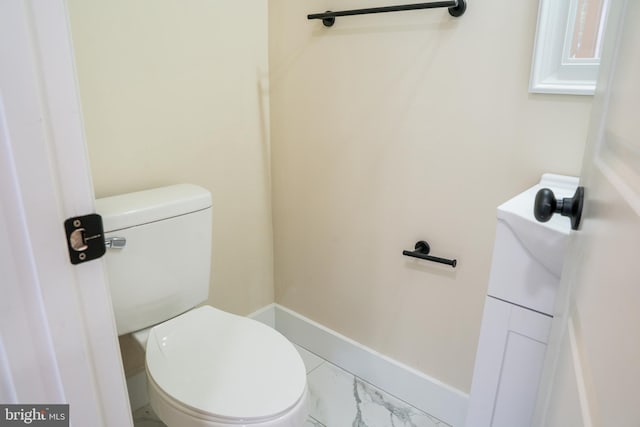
508	365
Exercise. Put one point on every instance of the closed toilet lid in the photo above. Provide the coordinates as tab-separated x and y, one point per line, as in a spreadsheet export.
225	366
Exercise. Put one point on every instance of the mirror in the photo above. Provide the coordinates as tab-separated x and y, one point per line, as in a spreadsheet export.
566	55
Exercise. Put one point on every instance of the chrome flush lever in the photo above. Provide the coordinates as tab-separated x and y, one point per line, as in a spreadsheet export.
115	242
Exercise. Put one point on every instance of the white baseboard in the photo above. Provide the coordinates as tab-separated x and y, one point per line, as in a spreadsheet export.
266	315
419	390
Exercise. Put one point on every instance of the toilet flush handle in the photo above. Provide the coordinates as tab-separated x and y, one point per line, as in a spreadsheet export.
546	205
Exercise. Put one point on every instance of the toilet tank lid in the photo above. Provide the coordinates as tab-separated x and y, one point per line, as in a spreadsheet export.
142	207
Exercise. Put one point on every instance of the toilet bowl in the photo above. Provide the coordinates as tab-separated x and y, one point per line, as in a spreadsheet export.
205	367
211	368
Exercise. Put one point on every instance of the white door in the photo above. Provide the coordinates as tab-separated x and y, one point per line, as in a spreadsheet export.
58	341
592	376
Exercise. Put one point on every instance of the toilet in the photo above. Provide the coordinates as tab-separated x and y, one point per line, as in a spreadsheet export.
205	367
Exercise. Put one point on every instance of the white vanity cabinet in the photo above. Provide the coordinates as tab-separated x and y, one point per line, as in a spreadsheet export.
508	365
525	275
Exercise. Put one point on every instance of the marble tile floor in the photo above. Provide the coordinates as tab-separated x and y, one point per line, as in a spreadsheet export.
339	399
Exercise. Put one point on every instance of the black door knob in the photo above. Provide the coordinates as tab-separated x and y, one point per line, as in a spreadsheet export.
546	205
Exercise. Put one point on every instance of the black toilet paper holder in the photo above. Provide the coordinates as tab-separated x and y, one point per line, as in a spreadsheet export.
422	250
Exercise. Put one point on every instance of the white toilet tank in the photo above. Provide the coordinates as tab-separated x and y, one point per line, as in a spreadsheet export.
163	268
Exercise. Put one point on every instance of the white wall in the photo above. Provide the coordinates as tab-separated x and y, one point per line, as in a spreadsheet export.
391	128
176	91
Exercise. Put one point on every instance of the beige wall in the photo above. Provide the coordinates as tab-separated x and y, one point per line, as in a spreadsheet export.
175	91
386	129
391	128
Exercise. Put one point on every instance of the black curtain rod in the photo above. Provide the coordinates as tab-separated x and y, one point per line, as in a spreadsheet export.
456	8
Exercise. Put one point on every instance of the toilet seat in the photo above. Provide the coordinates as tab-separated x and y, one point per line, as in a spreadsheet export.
219	369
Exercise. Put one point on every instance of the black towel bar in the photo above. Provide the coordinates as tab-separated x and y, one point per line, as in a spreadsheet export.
422	249
456	8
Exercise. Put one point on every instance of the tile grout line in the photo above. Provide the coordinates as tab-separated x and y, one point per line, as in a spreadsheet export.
323	362
314	419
